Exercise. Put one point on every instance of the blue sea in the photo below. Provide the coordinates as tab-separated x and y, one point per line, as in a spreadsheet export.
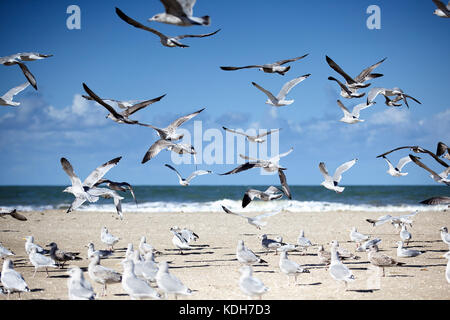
210	199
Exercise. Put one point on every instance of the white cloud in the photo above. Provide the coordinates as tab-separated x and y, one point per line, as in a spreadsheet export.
390	116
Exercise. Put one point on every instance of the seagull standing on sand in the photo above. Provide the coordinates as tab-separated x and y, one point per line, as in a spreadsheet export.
101	253
250	285
165	40
406	253
60	255
338	270
289	267
442	10
40	261
324	256
79	189
254	221
246	256
380	259
12	280
367	244
447	270
147	268
169	283
357	237
405	235
101	274
136	288
276	67
352	117
78	287
108	238
7	98
257	138
178	241
269	244
29	244
24	56
331	183
280	100
187	234
180	13
185	182
5	252
343	253
445	236
302	241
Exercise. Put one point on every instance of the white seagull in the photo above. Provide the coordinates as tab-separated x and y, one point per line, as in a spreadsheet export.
358	237
445	236
108	238
165	40
338	270
254	221
187	234
161	144
442	10
180	13
440	178
257	138
397	170
396	92
405	235
406	253
40	261
290	267
331	183
271	193
352	117
12	280
280	100
78	287
185	182
447	270
179	241
169	283
250	285
7	98
246	256
136	288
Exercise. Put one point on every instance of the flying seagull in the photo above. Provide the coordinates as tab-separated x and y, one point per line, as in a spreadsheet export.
332	182
24	56
358	81
441	178
185	182
117	186
170	132
397	170
417	149
13	213
7	98
255	221
352	117
123	116
346	92
443	150
396	92
180	13
276	67
279	100
165	40
81	190
270	165
162	144
271	193
442	10
257	138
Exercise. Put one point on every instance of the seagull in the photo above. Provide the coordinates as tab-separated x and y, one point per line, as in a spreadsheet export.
102	253
324	256
380	259
271	193
187	234
270	165
29	244
166	41
417	149
246	256
302	241
169	283
346	92
101	274
338	270
161	144
357	237
436	200
108	194
440	178
343	253
352	117
136	288
7	98
254	221
442	10
406	253
185	182
290	267
396	171
123	116
279	100
396	92
257	139
268	244
180	13
276	67
396	221
447	270
147	268
443	150
24	56
5	252
78	189
250	285
169	133
405	235
129	254
145	247
78	287
331	183
117	186
40	261
108	238
178	241
12	280
358	81
368	243
60	255
13	213
445	236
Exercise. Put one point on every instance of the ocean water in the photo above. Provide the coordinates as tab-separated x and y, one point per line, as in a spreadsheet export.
210	199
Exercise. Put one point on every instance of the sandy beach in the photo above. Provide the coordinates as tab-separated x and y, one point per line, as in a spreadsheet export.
211	269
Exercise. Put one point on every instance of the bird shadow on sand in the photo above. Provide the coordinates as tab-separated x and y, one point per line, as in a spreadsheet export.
9	231
62	276
191	266
424	265
364	290
213	260
37	290
308	284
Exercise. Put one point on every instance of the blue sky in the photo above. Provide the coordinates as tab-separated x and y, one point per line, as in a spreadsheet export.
118	61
